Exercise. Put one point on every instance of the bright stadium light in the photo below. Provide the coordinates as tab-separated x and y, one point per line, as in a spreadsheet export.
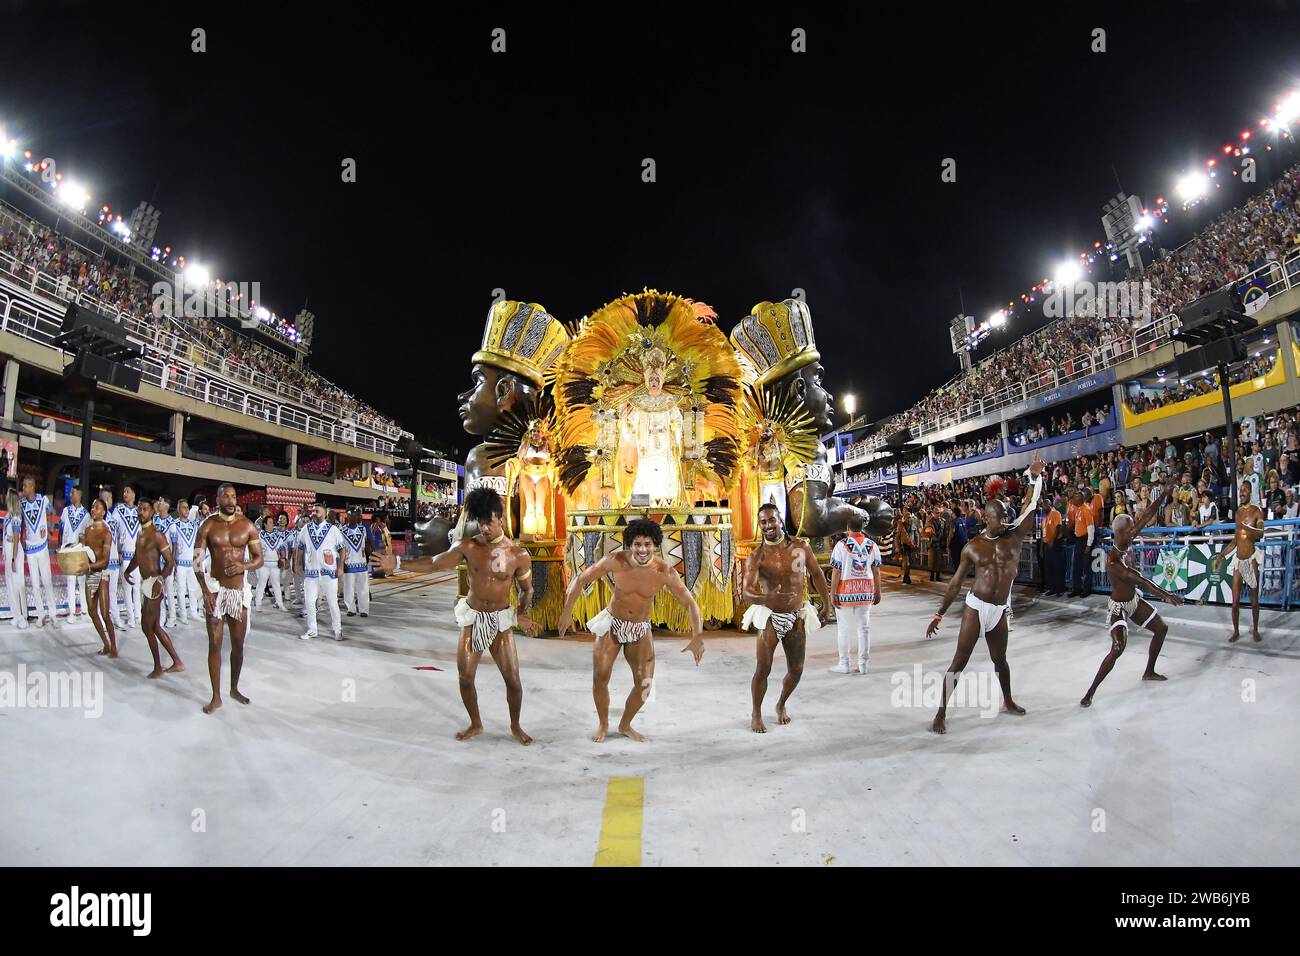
197	274
72	194
1192	187
1288	111
998	318
1068	273
263	313
1144	223
850	404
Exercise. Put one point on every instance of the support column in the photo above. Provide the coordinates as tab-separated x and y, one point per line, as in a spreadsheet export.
293	459
11	389
178	432
1286	341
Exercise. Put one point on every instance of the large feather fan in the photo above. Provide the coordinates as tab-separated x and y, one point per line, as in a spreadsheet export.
507	436
604	367
778	410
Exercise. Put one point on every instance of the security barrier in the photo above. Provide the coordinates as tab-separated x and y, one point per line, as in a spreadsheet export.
1193	562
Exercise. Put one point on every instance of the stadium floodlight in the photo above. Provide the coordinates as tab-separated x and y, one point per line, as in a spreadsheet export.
998	318
8	148
850	404
1288	111
72	194
1144	223
197	275
263	313
1068	273
1192	187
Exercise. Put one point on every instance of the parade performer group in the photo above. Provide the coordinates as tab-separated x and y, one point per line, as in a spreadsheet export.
670	449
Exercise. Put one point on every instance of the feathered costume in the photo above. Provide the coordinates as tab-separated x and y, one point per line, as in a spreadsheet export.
601	387
779	436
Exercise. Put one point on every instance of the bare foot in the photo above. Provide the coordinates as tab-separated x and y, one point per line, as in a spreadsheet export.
113	652
157	672
1152	675
782	715
103	652
520	736
1255	635
756	724
473	730
599	735
1011	707
176	668
1235	638
238	696
940	725
212	705
1086	702
627	731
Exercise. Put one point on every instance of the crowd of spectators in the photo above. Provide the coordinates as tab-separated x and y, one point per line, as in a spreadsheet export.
75	269
1207	384
1126	481
1263	229
973	449
1056	426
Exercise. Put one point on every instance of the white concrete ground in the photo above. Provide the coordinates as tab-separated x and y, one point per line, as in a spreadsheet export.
1199	770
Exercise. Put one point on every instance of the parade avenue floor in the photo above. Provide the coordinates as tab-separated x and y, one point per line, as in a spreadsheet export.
346	754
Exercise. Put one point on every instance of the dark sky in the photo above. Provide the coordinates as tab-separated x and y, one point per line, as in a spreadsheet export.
522	171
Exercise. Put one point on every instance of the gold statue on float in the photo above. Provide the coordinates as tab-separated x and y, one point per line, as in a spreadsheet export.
646	396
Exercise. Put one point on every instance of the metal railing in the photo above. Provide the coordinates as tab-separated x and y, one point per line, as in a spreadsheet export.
211	354
174	363
1278	276
29	318
1207	565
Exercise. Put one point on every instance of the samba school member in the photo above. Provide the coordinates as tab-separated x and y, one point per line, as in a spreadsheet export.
36	544
75	520
356	566
994	554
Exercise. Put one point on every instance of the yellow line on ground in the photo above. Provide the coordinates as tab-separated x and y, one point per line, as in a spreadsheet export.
620	825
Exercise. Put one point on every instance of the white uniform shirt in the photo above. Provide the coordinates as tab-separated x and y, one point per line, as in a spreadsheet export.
75	520
320	544
36	535
182	537
354	558
128	522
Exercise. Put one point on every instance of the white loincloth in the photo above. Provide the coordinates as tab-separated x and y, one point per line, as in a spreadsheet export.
1126	610
1249	567
783	622
625	632
231	602
486	624
989	614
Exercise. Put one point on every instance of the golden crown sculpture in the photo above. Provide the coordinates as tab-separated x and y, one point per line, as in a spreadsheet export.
522	337
775	339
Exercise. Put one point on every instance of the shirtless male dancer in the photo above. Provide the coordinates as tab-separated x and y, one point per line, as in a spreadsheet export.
149	548
98	536
638	574
1125	603
227	594
493	563
1247	563
995	556
776	588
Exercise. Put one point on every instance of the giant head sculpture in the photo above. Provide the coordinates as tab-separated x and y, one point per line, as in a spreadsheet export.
521	344
777	345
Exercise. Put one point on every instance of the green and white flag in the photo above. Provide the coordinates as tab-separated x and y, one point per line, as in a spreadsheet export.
1209	575
1171	570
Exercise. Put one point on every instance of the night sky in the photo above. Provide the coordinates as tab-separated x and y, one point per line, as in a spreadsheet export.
523	171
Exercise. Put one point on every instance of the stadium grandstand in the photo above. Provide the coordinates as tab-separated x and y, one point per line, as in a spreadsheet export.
226	391
1100	396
